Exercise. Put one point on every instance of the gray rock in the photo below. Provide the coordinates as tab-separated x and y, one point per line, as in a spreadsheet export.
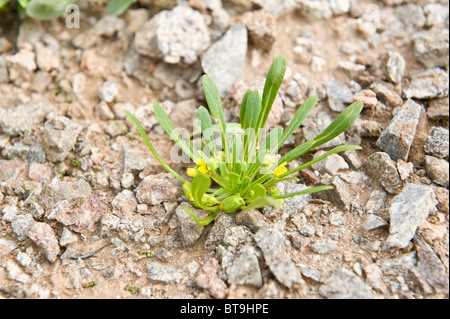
67	238
374	222
331	165
21	67
323	246
245	269
28	153
109	91
367	244
394	66
430	271
188	230
156	189
399	266
16	120
252	219
436	143
344	284
217	231
164	273
396	139
124	204
437	170
276	7
437	13
385	170
294	204
60	135
314	10
182	42
407	211
224	61
131	228
386	93
428	84
431	47
106	27
271	242
71	191
307	230
311	273
339	95
237	235
340	196
261	25
20	225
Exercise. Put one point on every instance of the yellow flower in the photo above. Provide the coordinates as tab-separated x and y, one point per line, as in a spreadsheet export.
202	166
191	172
191	198
280	170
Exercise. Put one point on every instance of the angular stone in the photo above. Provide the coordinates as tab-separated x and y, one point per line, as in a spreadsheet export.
430	271
60	135
428	84
376	202
261	25
16	120
437	143
208	279
339	95
323	246
385	170
271	242
44	236
154	189
385	93
124	204
252	219
396	139
245	269
437	170
224	61
164	273
217	231
407	211
374	222
340	196
188	230
344	284
182	42
438	109
28	153
394	66
431	47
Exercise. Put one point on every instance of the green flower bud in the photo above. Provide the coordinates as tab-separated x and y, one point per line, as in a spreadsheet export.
232	204
274	191
209	200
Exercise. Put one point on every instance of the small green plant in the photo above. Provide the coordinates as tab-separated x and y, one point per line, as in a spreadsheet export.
246	172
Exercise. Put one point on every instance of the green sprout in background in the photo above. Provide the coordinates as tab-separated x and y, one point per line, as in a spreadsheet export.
244	175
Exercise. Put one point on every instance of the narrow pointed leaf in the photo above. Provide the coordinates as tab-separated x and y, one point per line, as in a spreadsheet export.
305	191
263	202
141	131
201	222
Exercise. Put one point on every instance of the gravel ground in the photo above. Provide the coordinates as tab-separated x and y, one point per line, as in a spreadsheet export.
87	212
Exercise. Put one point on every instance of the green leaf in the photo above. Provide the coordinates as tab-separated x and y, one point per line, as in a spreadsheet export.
207	129
263	202
258	191
340	123
252	110
244	106
168	126
271	87
199	186
47	9
300	115
141	131
202	222
337	149
306	191
214	101
117	7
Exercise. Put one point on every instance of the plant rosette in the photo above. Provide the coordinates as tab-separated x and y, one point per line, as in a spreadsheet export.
243	175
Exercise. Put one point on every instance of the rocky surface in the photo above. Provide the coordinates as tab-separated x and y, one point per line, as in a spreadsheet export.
87	212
